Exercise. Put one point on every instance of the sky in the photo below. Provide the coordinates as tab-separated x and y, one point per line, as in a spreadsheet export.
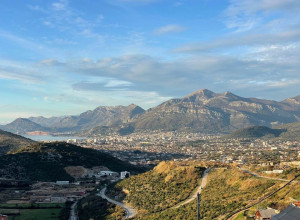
64	57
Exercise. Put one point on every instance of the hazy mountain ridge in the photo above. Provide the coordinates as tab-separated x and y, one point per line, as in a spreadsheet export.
101	116
24	125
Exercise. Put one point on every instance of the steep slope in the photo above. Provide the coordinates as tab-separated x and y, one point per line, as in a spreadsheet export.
46	162
9	141
101	116
23	125
208	112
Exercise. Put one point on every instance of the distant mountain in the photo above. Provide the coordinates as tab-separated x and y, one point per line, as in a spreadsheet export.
256	132
46	162
208	112
23	125
101	116
202	111
9	141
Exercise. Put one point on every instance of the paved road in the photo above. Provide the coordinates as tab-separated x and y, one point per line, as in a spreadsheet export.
73	215
199	190
266	177
130	212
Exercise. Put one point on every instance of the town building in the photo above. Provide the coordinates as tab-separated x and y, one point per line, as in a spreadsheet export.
265	214
124	174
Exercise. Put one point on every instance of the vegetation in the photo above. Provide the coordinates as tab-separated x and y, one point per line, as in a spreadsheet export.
256	132
94	207
292	131
46	162
36	211
9	141
228	190
164	186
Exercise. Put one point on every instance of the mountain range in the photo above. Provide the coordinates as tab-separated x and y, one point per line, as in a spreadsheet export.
202	111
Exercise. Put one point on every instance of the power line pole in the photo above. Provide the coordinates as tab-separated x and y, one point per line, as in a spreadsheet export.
198	206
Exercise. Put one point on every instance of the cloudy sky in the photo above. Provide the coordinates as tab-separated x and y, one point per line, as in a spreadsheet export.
64	57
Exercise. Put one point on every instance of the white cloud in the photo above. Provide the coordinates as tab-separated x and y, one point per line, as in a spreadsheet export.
244	15
169	29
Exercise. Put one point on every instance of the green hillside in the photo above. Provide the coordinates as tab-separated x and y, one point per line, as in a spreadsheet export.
163	187
46	162
228	190
292	131
10	141
256	132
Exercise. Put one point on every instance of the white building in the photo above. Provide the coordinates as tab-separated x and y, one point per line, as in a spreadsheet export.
108	173
124	174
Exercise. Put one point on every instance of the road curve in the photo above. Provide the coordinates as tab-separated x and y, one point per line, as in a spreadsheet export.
199	190
130	212
73	215
266	177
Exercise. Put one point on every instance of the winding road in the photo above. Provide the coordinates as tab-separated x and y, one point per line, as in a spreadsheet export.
194	195
73	215
130	212
266	177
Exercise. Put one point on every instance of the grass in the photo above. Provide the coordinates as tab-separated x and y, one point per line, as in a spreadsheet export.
34	211
32	214
240	216
39	205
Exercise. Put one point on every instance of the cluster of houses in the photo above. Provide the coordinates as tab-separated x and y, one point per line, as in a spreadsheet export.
292	212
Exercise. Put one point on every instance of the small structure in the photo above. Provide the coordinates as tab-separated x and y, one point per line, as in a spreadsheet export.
124	174
3	217
108	173
62	183
292	212
274	171
265	214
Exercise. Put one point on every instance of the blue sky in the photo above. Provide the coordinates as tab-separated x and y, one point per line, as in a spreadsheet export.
64	57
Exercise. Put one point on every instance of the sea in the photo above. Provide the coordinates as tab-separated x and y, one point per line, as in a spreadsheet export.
51	138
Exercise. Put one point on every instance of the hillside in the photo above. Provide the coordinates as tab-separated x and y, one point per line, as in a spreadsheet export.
292	131
164	186
9	141
256	132
46	162
23	125
227	190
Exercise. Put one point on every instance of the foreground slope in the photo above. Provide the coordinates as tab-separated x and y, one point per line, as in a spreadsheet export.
46	162
163	187
227	190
